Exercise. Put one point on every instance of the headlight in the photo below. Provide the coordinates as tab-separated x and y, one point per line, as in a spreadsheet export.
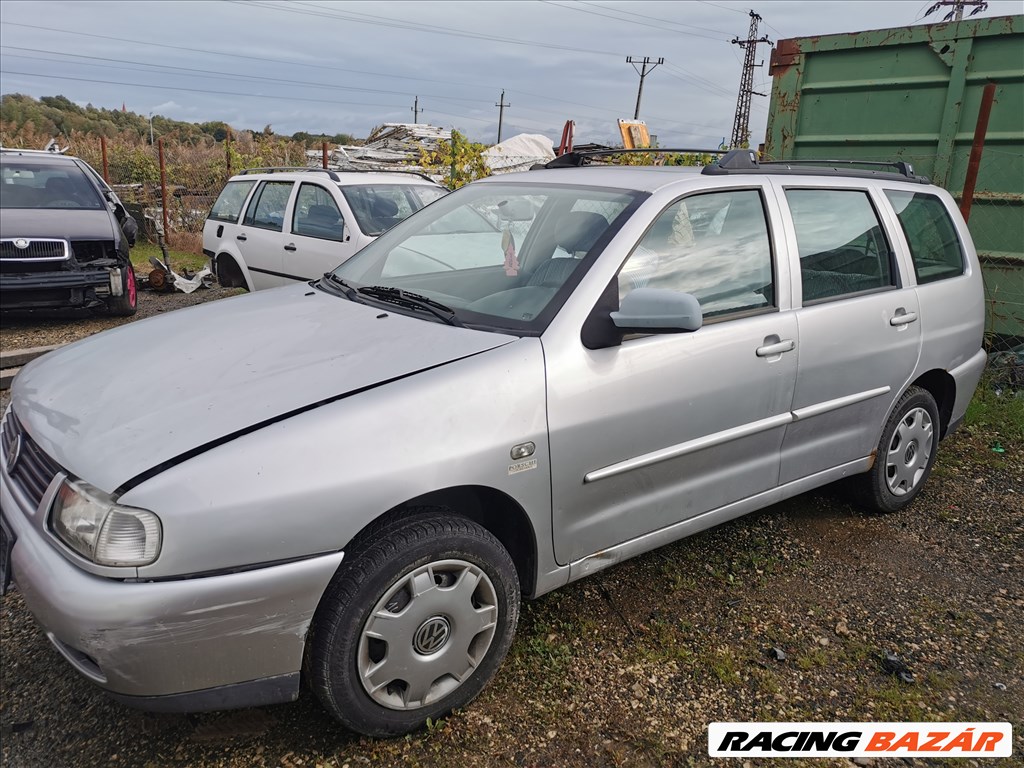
89	522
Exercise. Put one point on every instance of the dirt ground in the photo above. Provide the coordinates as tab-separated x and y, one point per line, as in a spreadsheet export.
628	667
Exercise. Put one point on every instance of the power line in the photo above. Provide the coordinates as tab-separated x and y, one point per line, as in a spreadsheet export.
630	21
655	18
201	90
417	27
262	59
708	85
723	7
206	73
295	63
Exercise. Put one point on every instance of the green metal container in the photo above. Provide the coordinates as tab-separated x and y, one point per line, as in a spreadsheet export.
914	93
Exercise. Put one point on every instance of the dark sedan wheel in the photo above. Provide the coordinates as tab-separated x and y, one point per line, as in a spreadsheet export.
905	454
414	625
125	304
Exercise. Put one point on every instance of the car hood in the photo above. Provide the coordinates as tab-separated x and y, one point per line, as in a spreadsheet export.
113	406
64	223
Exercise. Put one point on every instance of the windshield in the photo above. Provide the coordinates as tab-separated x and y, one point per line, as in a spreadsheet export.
378	207
46	185
497	255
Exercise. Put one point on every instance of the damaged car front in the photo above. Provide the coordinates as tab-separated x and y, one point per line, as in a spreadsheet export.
64	237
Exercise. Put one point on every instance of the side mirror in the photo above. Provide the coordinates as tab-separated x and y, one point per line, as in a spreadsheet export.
658	310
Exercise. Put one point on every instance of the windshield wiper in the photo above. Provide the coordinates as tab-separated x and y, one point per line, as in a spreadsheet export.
413	301
349	292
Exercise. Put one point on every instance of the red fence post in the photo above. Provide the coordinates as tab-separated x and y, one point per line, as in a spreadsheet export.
227	150
163	187
325	155
106	168
967	198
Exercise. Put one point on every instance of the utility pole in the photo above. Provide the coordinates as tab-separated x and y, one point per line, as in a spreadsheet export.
416	110
741	123
501	112
958	8
643	72
151	129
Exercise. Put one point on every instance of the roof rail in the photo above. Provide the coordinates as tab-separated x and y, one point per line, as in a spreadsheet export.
285	169
581	158
46	152
739	161
331	172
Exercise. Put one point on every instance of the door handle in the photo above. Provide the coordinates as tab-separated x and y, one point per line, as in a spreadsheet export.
768	350
290	247
241	237
902	318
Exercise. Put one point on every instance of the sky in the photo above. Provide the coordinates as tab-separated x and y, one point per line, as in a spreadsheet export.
345	67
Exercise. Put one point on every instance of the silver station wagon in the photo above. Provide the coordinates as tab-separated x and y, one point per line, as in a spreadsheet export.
352	482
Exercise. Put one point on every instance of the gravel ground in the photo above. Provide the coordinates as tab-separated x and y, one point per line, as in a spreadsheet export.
25	330
628	667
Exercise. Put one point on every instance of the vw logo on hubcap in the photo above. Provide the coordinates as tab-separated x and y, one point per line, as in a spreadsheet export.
432	635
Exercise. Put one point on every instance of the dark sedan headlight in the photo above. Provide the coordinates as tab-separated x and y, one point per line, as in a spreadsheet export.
88	521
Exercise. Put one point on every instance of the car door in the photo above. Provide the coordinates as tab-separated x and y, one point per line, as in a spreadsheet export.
665	427
319	235
860	336
261	238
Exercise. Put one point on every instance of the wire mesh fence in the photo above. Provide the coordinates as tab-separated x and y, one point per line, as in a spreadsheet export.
175	182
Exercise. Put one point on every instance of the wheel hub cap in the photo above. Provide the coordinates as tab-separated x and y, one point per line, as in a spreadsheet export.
427	634
909	452
432	635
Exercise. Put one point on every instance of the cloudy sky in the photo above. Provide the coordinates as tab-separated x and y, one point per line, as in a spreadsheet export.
335	67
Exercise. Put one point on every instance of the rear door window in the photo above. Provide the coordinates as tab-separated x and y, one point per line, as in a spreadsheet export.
843	248
266	210
934	246
316	214
230	201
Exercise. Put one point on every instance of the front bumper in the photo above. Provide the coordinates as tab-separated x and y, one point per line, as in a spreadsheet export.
220	641
56	289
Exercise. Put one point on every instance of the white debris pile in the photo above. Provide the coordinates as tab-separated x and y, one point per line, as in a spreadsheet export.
389	147
519	153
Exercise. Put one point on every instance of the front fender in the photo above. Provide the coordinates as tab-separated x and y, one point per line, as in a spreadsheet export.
310	483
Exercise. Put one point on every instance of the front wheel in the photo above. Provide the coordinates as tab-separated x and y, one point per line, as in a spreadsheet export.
905	454
125	304
414	625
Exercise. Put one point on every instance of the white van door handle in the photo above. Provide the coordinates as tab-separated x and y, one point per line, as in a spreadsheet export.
768	350
902	318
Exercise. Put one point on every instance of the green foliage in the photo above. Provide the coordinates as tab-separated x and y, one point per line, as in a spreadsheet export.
462	160
997	409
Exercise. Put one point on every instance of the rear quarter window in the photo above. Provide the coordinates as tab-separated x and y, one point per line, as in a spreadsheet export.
230	201
935	248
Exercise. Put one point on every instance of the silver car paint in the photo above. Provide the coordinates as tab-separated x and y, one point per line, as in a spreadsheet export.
307	484
162	638
235	363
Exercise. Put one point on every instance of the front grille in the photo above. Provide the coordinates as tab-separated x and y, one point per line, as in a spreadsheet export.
35	470
90	250
34	249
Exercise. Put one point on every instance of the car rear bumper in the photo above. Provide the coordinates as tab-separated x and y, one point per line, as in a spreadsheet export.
228	640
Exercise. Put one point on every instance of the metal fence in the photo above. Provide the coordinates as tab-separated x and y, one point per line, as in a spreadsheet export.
176	182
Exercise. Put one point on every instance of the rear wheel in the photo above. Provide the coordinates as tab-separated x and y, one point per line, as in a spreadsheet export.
905	454
414	625
125	304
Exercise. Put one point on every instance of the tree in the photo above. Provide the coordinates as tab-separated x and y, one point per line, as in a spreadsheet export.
462	160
